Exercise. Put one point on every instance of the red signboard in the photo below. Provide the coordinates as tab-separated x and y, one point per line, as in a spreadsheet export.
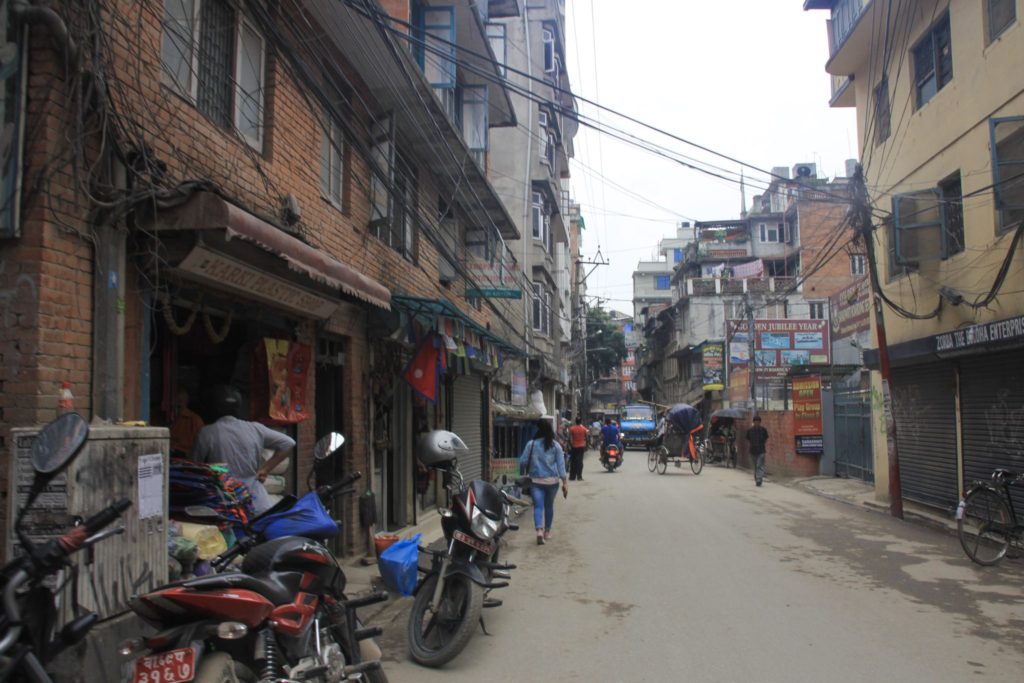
851	307
807	405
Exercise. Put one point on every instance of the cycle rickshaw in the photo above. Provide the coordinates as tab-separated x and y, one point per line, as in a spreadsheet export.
677	440
720	444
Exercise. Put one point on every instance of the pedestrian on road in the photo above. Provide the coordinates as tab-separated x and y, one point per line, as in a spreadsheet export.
578	446
544	463
758	438
239	444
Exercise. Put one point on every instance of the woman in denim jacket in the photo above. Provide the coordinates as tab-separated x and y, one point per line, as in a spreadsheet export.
544	463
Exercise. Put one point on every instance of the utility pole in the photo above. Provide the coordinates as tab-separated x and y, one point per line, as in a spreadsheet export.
752	362
598	260
865	229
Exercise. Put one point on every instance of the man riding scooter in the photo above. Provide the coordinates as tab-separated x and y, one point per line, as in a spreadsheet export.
610	437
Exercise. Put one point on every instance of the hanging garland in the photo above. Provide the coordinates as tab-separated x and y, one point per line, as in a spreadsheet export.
172	324
215	336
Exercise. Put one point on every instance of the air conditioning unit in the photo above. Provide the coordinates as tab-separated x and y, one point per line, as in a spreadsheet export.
805	171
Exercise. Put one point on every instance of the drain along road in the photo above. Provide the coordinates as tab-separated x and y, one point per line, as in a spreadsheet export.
707	578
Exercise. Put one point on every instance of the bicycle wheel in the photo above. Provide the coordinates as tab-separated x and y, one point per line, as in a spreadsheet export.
662	460
697	464
652	459
984	526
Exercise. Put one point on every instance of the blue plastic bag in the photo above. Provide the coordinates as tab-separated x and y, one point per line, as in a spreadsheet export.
307	517
398	565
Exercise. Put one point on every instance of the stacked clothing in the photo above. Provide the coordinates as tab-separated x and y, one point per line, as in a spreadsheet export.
195	483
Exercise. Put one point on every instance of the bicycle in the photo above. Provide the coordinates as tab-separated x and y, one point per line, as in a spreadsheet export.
986	521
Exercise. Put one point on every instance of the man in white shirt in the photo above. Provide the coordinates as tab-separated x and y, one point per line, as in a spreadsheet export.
239	444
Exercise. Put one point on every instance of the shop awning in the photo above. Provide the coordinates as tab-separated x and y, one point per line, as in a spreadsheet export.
428	309
206	211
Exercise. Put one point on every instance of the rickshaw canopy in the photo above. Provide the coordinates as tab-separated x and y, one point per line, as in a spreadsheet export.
684	417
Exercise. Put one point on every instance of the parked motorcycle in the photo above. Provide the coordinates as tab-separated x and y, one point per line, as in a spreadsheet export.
454	590
30	638
611	457
283	617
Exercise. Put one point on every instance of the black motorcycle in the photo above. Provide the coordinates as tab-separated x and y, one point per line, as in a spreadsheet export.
283	617
30	639
455	589
611	457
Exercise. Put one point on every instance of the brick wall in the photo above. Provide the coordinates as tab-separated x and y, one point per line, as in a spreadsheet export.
782	459
819	223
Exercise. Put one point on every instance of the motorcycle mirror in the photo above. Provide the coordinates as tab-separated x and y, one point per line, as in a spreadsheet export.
58	443
328	445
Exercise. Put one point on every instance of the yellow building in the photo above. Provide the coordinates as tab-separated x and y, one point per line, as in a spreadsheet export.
939	90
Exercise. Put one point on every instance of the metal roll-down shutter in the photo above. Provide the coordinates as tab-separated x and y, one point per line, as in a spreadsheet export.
925	410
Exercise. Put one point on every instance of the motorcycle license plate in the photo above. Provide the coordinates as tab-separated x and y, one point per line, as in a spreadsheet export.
612	458
482	546
175	666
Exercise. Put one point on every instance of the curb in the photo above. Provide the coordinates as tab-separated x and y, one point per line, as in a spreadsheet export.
909	514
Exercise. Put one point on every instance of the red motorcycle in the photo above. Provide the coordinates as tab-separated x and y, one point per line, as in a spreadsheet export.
283	617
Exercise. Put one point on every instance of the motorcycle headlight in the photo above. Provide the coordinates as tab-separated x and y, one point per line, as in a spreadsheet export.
482	525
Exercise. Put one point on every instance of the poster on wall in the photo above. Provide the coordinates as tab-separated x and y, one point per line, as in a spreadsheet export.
807	415
713	358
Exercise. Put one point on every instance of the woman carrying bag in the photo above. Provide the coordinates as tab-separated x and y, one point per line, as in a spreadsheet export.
544	462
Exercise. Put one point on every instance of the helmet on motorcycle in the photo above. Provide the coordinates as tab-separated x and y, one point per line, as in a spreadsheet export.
440	446
226	401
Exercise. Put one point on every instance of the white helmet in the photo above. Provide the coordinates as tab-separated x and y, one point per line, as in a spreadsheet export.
440	446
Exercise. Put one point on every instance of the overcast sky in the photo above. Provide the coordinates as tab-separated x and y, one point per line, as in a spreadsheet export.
745	78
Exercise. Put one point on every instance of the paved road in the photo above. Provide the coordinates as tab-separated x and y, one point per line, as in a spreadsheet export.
708	578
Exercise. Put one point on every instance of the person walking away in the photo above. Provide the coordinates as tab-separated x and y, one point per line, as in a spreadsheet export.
239	444
609	436
578	446
758	438
544	462
185	427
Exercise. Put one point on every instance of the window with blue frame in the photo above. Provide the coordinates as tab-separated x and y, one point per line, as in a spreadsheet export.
662	281
677	255
436	52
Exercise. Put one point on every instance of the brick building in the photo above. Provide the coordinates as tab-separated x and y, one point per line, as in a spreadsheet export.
203	179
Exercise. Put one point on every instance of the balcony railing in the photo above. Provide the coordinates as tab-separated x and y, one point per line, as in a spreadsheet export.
713	286
844	19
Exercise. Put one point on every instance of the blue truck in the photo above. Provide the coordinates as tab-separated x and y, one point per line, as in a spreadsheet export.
637	423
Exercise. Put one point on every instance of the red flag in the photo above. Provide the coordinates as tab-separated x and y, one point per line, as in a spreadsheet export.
421	373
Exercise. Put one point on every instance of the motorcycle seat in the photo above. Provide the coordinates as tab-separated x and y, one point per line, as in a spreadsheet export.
271	590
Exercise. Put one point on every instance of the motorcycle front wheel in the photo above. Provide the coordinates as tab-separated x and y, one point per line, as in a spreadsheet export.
435	638
219	667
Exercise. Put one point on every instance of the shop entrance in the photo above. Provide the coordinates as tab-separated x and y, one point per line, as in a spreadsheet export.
197	343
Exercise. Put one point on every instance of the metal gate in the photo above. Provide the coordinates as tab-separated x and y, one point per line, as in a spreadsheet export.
852	420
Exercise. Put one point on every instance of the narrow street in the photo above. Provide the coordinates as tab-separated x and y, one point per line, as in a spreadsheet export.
708	578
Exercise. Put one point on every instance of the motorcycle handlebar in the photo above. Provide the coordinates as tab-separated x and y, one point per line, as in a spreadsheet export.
75	538
328	489
106	516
